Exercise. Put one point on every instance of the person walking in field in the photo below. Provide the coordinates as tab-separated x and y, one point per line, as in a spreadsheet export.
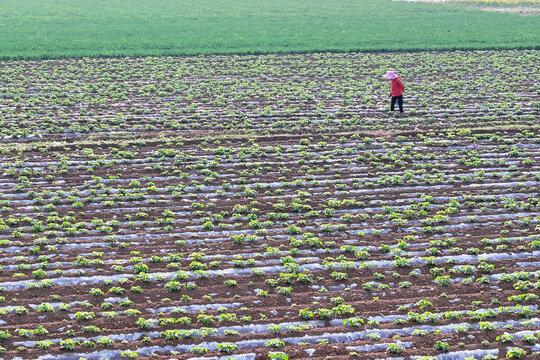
396	90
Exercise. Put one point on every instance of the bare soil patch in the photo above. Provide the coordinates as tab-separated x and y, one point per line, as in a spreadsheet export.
521	10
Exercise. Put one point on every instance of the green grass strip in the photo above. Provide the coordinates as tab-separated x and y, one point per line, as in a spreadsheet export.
74	28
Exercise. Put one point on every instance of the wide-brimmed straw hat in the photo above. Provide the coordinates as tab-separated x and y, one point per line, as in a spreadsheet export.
390	75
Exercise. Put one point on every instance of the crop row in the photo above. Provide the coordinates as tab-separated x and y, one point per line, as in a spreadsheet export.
268	244
272	94
262	207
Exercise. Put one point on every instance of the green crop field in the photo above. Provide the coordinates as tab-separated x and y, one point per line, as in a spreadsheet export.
69	28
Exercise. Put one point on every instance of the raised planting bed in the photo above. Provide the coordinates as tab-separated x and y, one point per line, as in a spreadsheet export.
303	243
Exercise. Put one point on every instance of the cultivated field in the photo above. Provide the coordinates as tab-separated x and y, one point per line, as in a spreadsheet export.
264	95
264	207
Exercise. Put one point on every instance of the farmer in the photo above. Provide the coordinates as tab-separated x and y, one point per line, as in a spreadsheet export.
396	90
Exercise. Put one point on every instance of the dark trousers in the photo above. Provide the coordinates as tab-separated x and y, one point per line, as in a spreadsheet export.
399	100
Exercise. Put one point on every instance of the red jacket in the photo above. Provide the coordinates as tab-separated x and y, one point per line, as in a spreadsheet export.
396	87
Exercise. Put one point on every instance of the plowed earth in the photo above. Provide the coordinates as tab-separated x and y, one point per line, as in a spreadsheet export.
266	202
